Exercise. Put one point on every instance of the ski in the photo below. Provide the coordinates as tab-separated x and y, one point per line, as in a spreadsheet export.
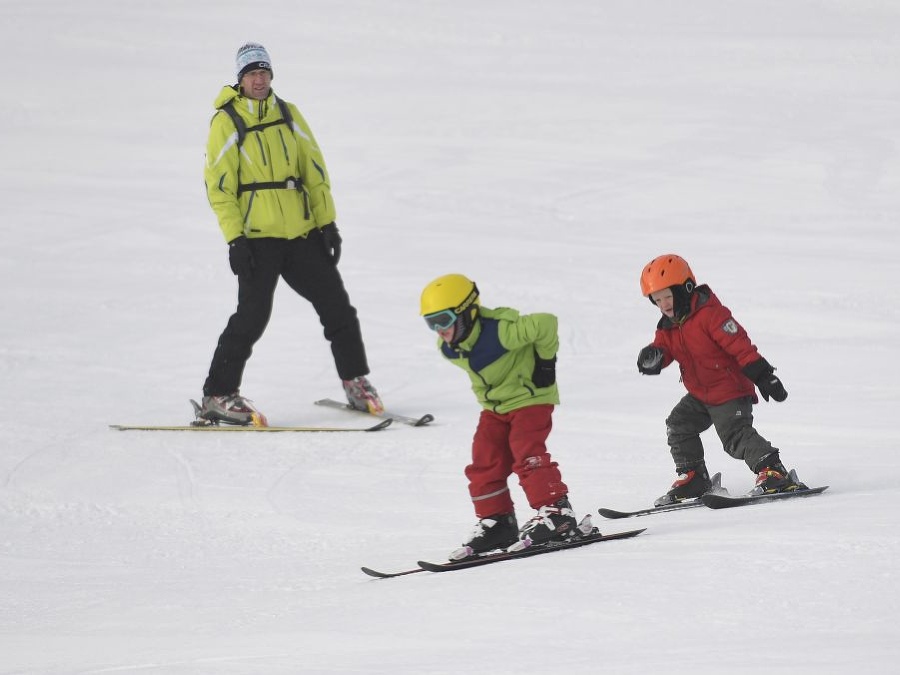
383	424
389	575
387	414
686	504
588	534
500	556
503	556
677	506
724	502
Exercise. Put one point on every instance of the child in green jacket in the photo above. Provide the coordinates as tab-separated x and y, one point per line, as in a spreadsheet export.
511	361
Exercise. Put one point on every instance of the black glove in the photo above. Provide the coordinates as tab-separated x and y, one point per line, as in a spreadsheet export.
544	374
650	360
332	240
240	257
764	377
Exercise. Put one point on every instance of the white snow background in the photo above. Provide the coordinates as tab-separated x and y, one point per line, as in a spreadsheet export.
547	150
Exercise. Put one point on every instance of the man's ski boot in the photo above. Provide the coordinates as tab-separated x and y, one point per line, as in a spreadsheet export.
772	477
361	395
691	483
228	409
553	522
489	534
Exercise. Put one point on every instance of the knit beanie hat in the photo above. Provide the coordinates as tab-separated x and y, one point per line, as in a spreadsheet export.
252	56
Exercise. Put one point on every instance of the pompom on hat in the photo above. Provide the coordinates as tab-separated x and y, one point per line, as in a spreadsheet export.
252	56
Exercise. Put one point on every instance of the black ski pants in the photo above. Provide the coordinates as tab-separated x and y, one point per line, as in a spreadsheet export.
733	421
308	269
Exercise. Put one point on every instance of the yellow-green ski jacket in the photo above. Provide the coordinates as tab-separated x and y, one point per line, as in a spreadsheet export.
498	356
273	154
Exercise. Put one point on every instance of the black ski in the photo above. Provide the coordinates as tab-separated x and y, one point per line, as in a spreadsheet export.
387	414
535	550
724	502
678	506
500	556
687	504
388	575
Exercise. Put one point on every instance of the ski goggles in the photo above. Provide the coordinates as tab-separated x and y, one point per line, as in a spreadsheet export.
441	320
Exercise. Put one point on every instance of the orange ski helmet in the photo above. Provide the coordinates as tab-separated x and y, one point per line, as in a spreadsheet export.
666	271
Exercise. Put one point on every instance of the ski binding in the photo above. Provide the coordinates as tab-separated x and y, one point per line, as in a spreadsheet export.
725	502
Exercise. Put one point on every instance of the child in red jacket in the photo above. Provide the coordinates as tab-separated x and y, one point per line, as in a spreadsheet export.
719	366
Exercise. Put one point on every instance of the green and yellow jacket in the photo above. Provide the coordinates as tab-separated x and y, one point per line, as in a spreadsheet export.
499	356
271	154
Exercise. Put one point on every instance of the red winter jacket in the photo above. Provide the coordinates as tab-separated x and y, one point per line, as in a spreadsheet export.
711	349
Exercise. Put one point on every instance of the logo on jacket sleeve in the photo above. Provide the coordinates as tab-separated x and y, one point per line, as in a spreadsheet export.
730	327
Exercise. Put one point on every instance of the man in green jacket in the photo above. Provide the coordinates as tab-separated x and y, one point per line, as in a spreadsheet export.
267	184
511	360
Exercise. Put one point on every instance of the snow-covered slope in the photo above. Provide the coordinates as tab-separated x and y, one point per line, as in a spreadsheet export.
546	151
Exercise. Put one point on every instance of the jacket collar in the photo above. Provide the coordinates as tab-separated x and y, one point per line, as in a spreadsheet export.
245	105
467	344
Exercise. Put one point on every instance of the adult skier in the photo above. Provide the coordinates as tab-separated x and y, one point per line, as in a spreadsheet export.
268	186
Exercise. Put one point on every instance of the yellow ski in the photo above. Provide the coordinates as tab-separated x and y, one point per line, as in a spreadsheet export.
232	428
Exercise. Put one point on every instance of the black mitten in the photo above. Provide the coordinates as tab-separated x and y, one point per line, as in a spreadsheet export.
332	240
240	257
650	360
544	374
763	376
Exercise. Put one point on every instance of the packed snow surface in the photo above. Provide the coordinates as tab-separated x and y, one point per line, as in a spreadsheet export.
546	150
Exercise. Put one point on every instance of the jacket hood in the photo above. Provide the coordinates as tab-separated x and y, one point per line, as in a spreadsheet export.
504	313
228	93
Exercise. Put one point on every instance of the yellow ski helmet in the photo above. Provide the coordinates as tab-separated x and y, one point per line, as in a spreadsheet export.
451	300
451	291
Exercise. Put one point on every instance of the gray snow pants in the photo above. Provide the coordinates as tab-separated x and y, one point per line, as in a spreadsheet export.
734	425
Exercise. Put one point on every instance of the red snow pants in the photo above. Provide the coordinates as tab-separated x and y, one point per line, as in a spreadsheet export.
513	442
